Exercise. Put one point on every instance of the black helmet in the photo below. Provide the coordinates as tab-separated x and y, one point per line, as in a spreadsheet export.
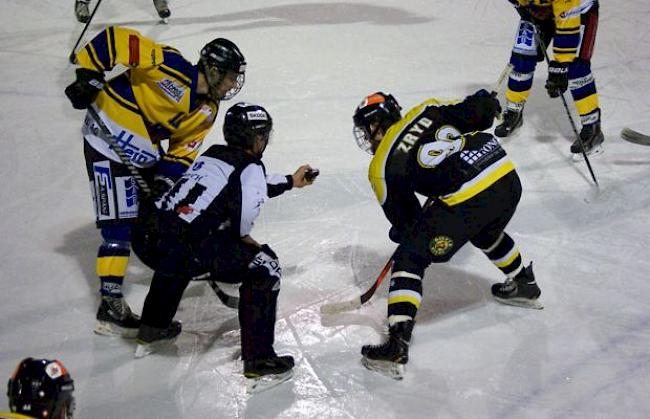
41	388
219	58
377	107
243	122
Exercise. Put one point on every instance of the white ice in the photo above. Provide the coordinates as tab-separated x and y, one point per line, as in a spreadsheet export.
586	355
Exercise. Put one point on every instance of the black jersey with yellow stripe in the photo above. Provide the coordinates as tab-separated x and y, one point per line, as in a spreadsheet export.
155	99
426	153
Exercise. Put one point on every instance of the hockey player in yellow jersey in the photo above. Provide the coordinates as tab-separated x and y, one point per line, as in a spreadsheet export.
571	25
474	190
161	96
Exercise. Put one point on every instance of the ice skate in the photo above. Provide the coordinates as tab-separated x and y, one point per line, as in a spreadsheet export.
151	339
592	139
522	291
81	11
114	317
263	374
162	8
390	358
512	120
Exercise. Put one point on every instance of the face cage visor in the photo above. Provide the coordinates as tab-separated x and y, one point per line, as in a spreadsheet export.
363	136
215	78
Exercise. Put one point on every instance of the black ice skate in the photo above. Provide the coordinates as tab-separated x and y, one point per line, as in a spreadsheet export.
390	357
263	374
592	139
114	317
522	291
81	10
512	120
150	339
163	9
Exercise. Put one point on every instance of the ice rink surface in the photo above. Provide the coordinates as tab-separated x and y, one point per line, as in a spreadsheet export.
586	355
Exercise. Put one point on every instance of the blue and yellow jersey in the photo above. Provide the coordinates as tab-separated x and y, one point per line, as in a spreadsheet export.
425	153
566	17
153	100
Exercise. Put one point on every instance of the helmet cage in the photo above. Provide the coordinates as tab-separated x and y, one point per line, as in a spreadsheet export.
379	109
221	59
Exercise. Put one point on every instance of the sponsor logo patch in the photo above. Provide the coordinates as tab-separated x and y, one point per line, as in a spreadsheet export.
441	245
172	89
256	116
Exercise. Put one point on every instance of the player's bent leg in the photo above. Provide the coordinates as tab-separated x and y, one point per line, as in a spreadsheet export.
257	315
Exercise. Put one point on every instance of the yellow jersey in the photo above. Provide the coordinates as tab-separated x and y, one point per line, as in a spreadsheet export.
155	99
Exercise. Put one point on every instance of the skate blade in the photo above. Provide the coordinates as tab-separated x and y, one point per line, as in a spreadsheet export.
521	302
164	20
143	350
110	329
593	152
389	369
265	382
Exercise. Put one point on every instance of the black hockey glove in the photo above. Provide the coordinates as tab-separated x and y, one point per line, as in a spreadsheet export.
85	89
486	103
558	78
161	184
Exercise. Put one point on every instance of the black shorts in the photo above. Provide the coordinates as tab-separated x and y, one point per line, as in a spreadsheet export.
443	229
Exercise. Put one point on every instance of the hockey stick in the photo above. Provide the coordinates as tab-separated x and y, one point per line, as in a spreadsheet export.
542	45
106	135
355	303
635	137
73	55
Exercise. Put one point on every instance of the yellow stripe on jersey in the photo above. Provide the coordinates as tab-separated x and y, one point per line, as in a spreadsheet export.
111	265
478	184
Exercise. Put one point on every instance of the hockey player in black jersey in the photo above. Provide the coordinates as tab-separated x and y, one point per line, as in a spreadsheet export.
203	225
474	190
160	98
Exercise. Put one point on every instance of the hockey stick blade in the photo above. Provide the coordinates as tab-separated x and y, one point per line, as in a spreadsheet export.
635	137
341	306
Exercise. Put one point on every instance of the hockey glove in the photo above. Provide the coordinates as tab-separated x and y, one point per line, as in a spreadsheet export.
558	79
85	89
161	184
483	107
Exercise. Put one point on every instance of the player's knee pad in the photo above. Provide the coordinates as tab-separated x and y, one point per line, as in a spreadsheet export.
266	265
116	236
407	260
579	68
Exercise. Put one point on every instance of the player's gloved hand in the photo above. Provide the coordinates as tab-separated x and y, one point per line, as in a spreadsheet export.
161	184
558	78
85	89
397	235
486	103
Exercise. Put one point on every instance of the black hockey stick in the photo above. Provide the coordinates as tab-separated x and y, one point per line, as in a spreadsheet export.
542	45
73	54
106	135
635	137
355	303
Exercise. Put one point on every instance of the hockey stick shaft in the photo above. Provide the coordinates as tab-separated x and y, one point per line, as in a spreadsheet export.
355	303
106	135
73	53
542	45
